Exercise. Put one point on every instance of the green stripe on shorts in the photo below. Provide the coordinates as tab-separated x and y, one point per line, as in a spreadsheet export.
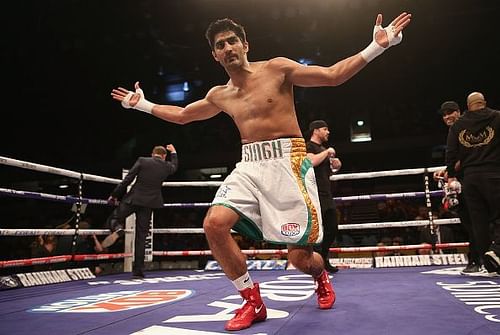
245	226
306	165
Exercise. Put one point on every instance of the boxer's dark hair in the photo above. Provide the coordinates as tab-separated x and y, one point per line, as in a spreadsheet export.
222	25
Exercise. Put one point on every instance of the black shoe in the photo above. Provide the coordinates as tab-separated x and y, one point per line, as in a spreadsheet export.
492	261
112	238
471	269
330	268
138	275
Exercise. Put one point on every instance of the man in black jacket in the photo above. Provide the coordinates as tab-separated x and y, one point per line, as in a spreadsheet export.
474	140
143	197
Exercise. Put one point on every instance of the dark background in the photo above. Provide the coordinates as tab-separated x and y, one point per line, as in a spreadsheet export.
60	60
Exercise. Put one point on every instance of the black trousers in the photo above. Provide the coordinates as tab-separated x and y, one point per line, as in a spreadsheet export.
142	222
482	193
330	229
463	213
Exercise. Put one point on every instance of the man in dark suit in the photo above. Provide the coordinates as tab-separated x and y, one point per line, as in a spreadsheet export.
143	197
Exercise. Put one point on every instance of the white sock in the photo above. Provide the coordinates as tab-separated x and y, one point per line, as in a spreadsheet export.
243	282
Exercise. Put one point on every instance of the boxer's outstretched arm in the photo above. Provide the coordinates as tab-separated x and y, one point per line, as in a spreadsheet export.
196	111
199	110
340	72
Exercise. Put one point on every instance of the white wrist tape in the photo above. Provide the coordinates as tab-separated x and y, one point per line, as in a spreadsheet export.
371	51
143	105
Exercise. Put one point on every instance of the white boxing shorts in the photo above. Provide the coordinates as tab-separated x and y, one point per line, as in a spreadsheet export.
274	191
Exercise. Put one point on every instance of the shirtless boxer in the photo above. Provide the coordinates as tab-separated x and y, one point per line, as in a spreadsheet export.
271	194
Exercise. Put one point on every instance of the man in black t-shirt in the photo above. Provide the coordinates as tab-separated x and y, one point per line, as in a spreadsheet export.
325	164
450	113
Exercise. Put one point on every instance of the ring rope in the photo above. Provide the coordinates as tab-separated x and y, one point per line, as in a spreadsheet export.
50	197
192	183
373	225
35	261
397	224
85	232
424	246
91	177
72	199
54	170
58	232
387	173
61	259
187	204
92	257
389	196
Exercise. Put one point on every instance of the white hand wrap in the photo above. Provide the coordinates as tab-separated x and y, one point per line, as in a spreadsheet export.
374	49
393	39
455	186
143	105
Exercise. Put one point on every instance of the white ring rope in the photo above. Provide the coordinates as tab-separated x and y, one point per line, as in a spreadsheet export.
388	173
91	177
187	204
373	225
54	170
192	183
397	224
381	196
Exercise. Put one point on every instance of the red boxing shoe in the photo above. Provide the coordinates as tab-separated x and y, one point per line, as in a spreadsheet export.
252	311
324	290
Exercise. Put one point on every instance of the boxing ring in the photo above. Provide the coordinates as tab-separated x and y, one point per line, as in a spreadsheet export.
407	294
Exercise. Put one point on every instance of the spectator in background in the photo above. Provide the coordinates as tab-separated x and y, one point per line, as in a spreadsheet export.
381	253
397	241
44	246
87	245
